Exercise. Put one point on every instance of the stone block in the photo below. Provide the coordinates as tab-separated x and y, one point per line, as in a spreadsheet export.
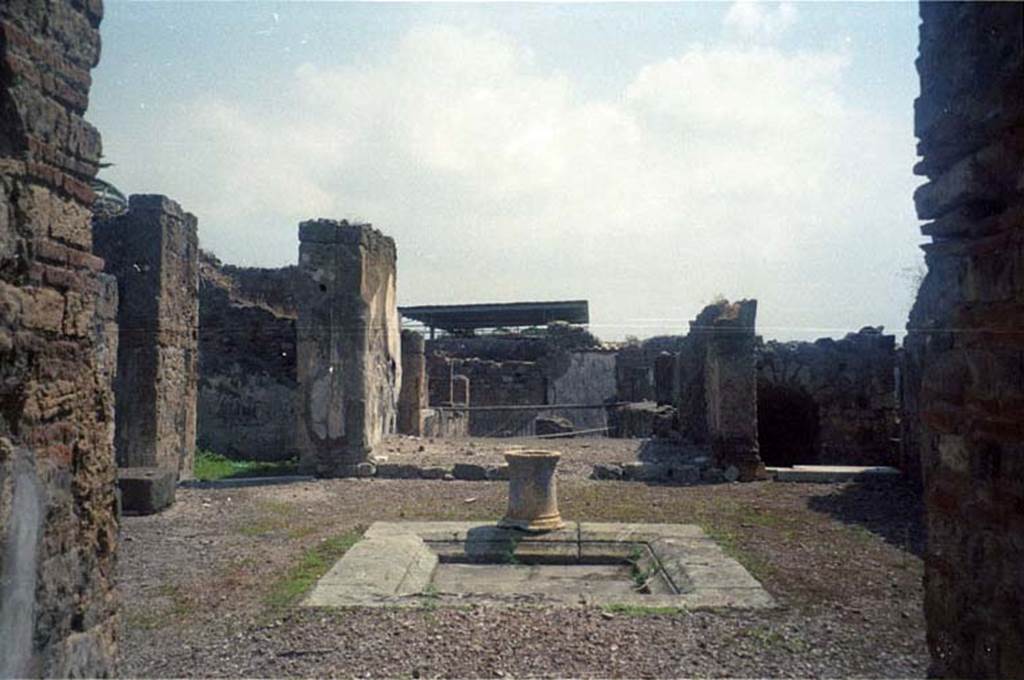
398	471
469	472
497	472
607	471
145	490
553	426
434	472
632	470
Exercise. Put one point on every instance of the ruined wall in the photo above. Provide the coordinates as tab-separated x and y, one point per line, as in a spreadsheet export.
153	251
634	374
348	345
850	386
412	399
493	383
247	361
717	382
502	383
636	368
964	377
440	372
588	377
496	347
58	345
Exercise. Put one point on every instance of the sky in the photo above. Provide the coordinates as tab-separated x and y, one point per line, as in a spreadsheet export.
646	157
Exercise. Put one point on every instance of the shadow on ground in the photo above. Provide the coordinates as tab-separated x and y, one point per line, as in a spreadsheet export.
892	509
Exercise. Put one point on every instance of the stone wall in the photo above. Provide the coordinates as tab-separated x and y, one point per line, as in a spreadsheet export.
717	382
247	361
348	345
634	374
412	399
58	347
505	383
153	252
564	365
964	373
588	377
440	372
496	347
636	369
828	402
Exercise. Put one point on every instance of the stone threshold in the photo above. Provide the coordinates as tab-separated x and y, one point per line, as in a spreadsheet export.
832	473
402	564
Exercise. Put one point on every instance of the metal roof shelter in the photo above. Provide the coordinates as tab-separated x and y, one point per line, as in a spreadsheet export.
463	318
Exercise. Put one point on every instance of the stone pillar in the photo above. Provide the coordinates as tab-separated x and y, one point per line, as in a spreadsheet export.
964	373
58	343
153	251
716	375
412	399
460	390
730	389
348	345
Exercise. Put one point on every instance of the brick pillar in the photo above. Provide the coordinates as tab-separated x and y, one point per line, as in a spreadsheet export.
58	513
153	251
348	345
964	368
413	397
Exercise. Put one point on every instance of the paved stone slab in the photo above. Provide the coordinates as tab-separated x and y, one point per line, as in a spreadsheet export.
376	570
830	473
397	564
616	531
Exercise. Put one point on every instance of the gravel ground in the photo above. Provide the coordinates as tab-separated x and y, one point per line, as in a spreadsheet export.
579	454
842	560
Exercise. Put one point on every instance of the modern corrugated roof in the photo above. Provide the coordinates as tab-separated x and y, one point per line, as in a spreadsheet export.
495	314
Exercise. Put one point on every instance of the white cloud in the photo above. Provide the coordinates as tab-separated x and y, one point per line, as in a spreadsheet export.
753	20
739	170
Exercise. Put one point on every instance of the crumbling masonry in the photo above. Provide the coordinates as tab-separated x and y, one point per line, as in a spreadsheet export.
964	388
247	345
717	386
348	346
58	345
828	402
153	250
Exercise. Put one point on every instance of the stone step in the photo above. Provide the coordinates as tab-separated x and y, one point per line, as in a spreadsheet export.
831	473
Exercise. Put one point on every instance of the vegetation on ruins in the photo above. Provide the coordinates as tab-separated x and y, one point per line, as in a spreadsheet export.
210	466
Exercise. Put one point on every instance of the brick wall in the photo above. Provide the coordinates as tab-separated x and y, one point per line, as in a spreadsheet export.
964	373
247	361
58	340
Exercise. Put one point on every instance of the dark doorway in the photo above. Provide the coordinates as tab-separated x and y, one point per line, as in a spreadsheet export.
787	425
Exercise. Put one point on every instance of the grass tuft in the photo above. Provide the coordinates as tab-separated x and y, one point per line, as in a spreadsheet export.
210	466
313	564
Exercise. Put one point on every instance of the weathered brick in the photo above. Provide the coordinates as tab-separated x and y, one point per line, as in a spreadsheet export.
964	385
50	305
